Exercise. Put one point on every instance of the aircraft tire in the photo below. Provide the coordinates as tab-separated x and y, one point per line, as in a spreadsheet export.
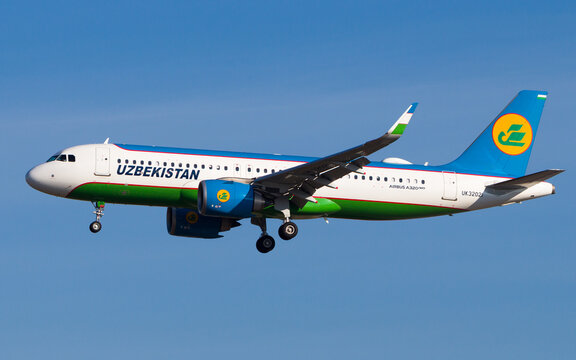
265	244
288	230
95	226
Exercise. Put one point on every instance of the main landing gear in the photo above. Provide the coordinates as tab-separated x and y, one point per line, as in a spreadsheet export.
288	230
96	226
266	243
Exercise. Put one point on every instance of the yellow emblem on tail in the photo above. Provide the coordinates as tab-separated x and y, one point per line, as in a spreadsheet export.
223	195
512	134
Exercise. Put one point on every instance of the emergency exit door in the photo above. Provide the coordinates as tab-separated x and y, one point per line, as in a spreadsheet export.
450	185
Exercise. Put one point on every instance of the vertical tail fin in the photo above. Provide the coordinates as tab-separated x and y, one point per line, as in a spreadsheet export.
505	146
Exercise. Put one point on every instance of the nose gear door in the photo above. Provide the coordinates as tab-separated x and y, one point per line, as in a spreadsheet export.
102	161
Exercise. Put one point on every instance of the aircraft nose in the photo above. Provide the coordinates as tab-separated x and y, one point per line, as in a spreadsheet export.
35	179
42	179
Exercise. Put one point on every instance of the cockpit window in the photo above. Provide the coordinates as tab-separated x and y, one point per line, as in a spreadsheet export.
53	157
62	157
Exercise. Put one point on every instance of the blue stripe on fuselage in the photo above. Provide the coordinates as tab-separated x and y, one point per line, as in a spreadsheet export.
256	156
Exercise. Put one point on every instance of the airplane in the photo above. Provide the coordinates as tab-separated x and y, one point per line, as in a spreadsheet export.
207	192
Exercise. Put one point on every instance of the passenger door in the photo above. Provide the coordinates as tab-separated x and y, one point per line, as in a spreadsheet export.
102	161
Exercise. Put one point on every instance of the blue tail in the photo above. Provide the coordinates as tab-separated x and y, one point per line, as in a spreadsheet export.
504	147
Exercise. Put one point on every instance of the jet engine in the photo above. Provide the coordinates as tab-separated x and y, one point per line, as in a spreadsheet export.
228	199
188	223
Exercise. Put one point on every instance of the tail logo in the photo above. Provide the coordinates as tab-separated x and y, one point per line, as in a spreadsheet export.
223	196
512	134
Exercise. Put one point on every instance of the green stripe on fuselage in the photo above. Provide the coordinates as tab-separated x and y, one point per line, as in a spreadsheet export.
136	195
376	210
188	198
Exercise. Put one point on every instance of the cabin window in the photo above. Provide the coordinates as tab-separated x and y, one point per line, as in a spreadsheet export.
149	163
134	162
180	165
265	171
172	164
119	161
195	166
370	178
217	167
165	163
273	171
237	168
187	166
202	166
423	182
377	178
225	168
249	169
355	177
257	170
71	158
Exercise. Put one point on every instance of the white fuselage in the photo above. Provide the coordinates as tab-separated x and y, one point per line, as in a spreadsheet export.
110	164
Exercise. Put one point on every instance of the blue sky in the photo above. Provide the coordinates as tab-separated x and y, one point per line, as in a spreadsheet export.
291	77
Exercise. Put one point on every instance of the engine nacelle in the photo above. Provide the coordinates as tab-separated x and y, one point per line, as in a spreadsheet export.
188	223
228	199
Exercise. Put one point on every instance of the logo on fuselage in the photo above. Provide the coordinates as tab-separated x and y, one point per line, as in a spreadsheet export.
512	134
223	195
158	172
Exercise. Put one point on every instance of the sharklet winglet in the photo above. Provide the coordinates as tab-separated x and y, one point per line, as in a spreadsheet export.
400	125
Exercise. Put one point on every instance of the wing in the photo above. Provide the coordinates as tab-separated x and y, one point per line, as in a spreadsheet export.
300	182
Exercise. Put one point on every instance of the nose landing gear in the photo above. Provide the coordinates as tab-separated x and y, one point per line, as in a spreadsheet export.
96	226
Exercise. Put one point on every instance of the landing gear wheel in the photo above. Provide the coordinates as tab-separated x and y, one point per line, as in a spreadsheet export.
95	226
265	244
288	230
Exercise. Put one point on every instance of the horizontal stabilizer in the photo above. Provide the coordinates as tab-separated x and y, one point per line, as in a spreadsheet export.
525	181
